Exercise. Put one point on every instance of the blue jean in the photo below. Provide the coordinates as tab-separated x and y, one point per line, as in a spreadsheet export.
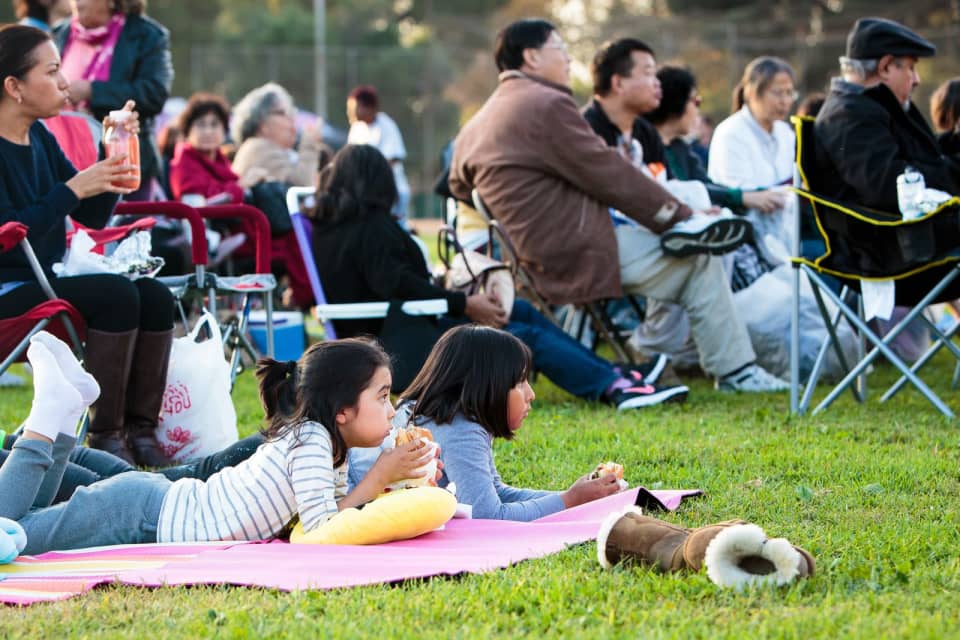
567	363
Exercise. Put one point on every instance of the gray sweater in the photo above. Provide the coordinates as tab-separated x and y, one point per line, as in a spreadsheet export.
466	450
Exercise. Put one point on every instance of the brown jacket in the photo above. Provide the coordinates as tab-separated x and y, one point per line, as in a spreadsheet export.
550	181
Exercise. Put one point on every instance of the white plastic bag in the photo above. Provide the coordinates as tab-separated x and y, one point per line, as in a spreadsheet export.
131	258
197	417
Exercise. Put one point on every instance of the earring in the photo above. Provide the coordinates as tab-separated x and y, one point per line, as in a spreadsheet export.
19	99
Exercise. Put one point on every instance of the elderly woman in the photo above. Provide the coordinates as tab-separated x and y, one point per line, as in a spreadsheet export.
265	129
754	147
129	323
112	53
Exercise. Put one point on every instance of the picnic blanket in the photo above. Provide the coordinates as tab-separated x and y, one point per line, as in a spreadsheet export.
461	546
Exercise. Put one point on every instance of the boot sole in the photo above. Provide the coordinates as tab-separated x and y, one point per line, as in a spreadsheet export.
723	236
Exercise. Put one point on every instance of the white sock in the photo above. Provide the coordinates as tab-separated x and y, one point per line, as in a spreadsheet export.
75	374
57	405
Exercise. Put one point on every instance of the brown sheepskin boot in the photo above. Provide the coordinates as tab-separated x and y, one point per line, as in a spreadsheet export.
735	553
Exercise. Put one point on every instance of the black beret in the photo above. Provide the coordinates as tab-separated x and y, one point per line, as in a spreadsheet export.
873	38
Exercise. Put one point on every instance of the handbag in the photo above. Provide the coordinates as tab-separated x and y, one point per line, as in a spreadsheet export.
197	417
271	199
473	272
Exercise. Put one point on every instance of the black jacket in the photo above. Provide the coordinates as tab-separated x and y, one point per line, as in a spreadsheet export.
371	259
643	132
141	70
864	140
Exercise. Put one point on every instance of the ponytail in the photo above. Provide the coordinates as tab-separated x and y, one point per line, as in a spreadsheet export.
278	392
738	98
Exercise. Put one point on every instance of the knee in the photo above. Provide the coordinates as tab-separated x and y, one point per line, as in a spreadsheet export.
155	305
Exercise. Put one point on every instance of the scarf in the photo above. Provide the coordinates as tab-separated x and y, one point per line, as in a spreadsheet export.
102	41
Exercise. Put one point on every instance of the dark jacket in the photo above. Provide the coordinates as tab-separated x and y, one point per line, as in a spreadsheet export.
33	192
864	139
550	181
643	132
371	259
141	70
678	158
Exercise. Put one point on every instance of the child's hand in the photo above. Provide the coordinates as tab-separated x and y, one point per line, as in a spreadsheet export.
403	462
587	490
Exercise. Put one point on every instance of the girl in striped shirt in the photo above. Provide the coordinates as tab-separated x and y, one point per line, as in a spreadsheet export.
335	397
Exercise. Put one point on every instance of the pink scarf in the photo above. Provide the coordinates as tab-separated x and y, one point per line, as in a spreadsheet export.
93	48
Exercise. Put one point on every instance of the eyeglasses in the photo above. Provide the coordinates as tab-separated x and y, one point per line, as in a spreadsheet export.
696	99
562	47
780	94
280	112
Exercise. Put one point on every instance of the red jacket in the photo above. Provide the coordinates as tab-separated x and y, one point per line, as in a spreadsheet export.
193	172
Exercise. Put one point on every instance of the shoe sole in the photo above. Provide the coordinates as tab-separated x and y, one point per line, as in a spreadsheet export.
672	394
732	389
719	238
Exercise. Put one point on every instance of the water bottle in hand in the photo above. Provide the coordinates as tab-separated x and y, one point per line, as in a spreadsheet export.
910	186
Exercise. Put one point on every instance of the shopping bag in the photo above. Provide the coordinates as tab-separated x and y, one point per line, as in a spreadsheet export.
197	417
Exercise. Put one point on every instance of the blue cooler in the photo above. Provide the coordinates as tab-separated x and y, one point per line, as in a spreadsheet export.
288	339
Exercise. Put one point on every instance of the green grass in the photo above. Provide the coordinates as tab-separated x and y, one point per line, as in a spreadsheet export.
871	491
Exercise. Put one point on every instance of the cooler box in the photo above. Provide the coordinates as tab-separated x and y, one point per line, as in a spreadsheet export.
288	336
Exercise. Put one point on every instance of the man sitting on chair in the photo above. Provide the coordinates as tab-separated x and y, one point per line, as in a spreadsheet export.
868	130
551	181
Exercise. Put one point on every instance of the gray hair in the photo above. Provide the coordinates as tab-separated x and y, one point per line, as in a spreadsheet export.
255	107
861	69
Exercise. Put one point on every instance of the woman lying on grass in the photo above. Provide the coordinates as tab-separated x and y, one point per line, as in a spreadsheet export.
473	388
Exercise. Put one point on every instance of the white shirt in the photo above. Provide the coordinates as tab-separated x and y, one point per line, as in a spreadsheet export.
745	155
383	133
257	498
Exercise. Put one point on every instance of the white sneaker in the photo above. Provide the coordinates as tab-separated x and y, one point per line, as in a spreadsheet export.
753	379
706	233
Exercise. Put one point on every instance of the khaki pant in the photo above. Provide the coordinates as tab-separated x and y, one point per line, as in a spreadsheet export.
696	283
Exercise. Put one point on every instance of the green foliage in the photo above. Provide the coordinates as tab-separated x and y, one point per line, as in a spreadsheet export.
871	491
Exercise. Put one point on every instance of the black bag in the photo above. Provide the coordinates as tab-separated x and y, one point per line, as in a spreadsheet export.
408	340
271	199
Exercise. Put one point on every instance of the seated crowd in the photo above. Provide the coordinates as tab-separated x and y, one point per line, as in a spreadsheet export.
599	202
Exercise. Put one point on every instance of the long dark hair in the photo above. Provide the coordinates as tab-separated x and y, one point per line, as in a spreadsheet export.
17	44
328	378
470	370
677	85
358	182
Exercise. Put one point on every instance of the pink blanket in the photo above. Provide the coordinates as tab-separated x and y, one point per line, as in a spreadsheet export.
472	546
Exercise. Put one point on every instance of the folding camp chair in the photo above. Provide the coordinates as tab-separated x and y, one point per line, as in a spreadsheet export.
921	256
575	323
299	199
207	286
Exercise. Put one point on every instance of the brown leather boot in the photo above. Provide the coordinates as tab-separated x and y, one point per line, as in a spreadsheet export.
107	356
735	553
148	379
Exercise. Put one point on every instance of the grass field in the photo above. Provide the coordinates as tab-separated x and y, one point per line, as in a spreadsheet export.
871	491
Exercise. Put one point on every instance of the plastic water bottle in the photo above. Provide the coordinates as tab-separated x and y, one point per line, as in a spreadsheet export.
910	187
117	140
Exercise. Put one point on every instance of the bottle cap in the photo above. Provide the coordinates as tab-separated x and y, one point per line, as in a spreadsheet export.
121	115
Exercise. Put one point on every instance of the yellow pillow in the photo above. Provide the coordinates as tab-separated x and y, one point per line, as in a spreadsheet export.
398	515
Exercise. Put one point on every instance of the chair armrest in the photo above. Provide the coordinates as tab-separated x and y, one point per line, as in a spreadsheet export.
11	233
255	220
365	310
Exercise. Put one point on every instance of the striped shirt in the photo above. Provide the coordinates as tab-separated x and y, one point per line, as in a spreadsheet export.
256	499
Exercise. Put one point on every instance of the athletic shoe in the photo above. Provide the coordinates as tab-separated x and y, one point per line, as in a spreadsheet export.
646	395
706	233
752	379
648	371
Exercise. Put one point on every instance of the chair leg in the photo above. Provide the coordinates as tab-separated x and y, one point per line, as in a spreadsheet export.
941	341
882	348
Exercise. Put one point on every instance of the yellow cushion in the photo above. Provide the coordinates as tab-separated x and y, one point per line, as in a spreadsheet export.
398	515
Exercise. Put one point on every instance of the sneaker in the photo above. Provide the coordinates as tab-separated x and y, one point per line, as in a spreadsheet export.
705	233
648	371
752	379
646	395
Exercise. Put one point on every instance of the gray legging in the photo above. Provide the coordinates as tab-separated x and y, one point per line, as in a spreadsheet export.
124	509
85	466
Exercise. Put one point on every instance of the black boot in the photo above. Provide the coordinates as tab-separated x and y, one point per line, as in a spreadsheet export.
148	379
107	357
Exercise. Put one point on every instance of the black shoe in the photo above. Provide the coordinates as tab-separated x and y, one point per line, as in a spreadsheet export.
648	372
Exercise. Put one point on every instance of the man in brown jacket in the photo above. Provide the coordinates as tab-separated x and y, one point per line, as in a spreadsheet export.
551	182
